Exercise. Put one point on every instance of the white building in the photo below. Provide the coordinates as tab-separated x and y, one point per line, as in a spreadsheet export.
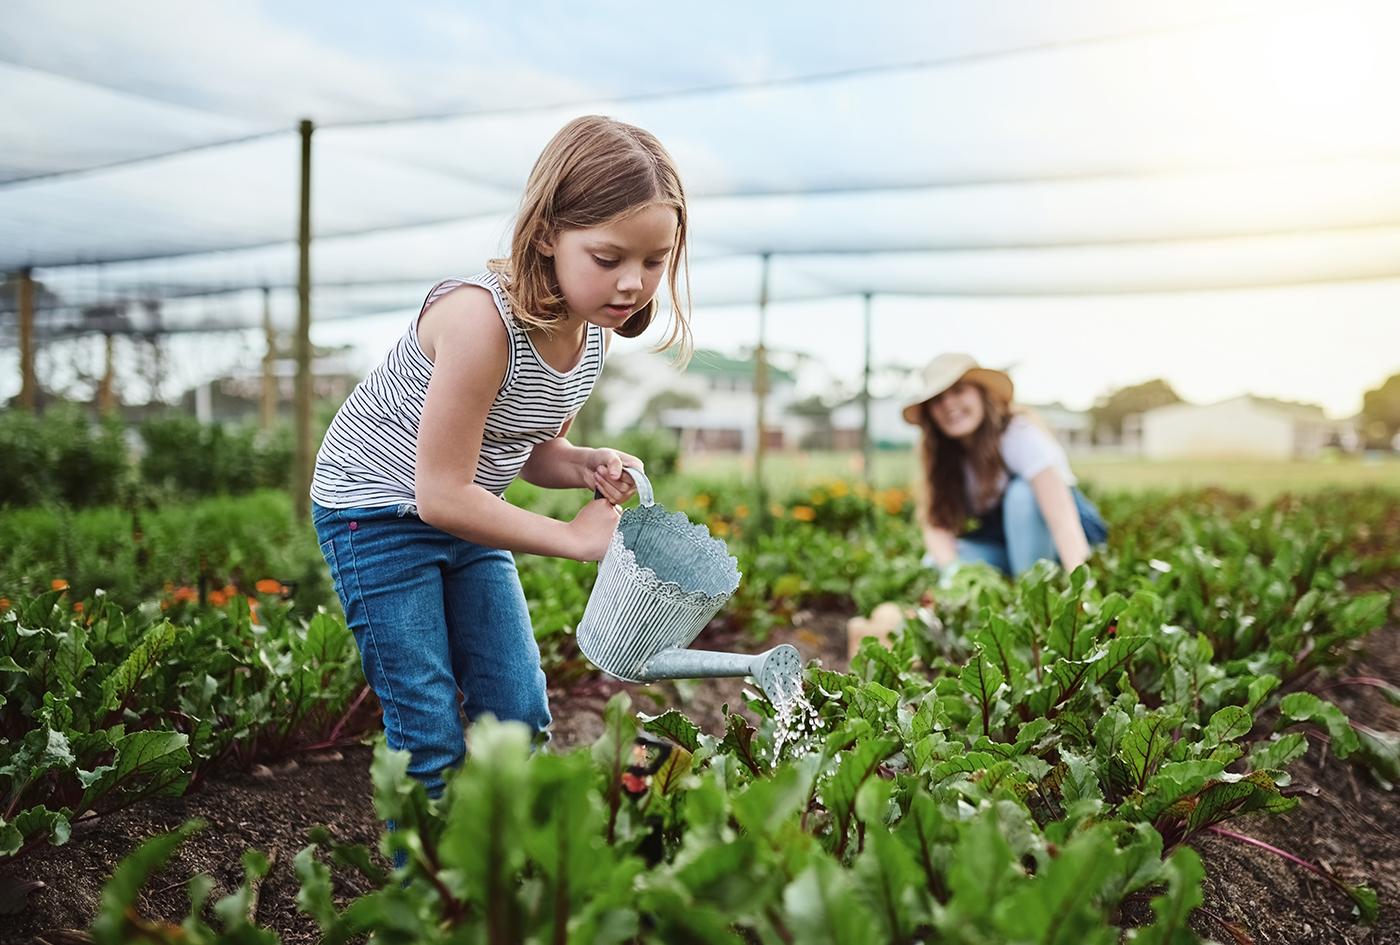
1246	426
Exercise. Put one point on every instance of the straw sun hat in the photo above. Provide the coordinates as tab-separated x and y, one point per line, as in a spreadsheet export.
946	370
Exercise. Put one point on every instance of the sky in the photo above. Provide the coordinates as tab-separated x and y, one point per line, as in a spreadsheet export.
1088	193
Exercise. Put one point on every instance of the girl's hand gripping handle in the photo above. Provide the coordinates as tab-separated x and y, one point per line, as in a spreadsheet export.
644	491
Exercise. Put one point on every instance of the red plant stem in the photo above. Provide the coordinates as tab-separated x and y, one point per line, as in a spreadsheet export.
335	732
1357	681
1273	849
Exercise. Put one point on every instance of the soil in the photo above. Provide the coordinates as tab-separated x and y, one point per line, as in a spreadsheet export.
1351	826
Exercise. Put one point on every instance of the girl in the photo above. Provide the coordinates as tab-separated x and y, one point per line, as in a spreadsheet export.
482	387
984	459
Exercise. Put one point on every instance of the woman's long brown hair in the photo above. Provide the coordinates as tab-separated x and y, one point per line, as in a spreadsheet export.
943	499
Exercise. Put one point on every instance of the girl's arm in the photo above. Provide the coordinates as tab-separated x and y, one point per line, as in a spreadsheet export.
940	543
558	464
1062	516
462	334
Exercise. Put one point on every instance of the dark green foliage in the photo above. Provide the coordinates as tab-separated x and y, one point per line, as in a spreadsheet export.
101	707
62	456
194	459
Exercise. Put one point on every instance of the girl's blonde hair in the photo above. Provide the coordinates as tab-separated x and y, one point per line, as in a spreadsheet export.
593	172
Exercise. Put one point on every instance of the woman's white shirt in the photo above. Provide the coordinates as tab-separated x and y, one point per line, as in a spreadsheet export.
1027	450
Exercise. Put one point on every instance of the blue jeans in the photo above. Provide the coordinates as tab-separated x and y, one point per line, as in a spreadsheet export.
1026	537
434	615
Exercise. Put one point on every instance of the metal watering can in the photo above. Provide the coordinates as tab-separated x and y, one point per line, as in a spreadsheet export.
661	581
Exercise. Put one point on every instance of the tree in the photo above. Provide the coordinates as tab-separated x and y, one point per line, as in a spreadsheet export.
663	401
1110	409
1380	409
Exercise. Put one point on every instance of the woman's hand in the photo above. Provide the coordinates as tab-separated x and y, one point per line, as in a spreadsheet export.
603	473
592	529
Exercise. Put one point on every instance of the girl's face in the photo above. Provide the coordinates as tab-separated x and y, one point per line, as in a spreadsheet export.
959	410
606	273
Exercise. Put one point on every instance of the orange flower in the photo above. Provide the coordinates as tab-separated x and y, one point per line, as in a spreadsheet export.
78	607
59	584
268	586
186	593
218	598
4	604
804	513
229	590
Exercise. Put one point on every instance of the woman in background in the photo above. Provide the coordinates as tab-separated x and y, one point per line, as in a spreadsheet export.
996	486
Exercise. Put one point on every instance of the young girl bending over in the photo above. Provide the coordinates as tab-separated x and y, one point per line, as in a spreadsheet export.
482	388
984	459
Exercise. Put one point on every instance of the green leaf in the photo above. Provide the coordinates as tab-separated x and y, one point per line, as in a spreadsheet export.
823	909
1259	689
1306	707
139	665
1277	753
981	868
671	724
891	884
738	741
1145	745
1380	752
767	803
484	839
1226	725
982	681
1058	907
839	793
72	658
119	895
1183	874
1221	800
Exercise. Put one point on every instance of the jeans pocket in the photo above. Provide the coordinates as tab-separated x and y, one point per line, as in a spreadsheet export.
328	552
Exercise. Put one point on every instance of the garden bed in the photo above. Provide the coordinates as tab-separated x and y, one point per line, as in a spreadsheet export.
1351	825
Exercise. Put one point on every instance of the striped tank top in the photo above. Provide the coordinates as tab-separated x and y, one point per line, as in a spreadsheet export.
367	458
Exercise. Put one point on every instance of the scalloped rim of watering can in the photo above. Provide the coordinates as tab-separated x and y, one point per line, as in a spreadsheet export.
647	578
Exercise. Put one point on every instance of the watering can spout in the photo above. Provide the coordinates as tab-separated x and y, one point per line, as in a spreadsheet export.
778	671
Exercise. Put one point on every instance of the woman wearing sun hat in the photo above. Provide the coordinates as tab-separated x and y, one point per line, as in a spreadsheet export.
996	486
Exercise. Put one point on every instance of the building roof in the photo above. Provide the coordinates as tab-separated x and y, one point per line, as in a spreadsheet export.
710	363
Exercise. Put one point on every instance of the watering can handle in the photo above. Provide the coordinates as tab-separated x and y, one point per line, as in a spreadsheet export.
644	492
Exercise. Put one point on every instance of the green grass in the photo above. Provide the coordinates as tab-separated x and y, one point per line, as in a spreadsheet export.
1262	479
1259	478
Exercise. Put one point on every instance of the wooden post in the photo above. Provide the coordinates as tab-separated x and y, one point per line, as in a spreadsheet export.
301	475
269	381
106	395
760	385
29	381
867	451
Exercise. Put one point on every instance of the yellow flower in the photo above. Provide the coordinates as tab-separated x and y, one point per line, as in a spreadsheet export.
804	513
741	511
776	510
719	528
838	489
818	497
702	500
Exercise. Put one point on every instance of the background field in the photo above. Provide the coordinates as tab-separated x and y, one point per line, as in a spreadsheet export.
1262	479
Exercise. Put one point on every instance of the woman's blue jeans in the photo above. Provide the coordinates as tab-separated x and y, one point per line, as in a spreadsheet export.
1027	536
434	616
